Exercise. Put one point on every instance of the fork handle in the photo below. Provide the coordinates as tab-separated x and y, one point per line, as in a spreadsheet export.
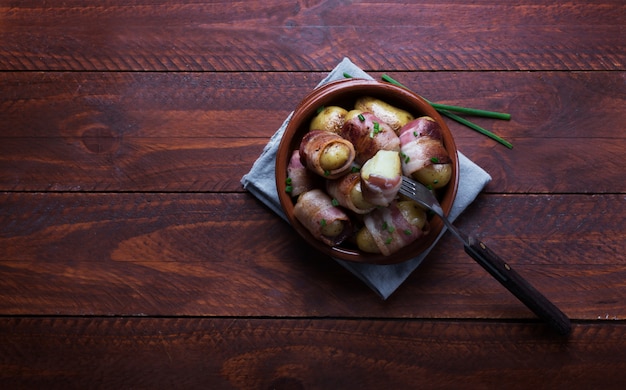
518	286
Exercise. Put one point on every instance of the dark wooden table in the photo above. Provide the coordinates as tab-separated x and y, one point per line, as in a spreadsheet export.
131	257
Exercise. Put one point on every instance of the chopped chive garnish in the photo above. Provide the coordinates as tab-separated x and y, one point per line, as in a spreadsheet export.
434	160
288	180
408	232
347	75
335	202
320	109
388	241
415	134
355	169
376	126
323	222
435	181
327	173
361	118
385	225
447	111
288	188
391	229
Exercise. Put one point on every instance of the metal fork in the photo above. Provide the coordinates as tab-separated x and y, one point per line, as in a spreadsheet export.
497	267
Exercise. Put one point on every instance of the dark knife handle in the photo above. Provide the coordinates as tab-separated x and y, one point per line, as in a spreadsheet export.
518	286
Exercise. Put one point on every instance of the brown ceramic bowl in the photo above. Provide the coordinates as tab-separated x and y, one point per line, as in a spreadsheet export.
344	93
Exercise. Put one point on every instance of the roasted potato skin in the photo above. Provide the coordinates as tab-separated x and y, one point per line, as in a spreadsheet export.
413	213
393	116
329	118
435	175
365	241
334	156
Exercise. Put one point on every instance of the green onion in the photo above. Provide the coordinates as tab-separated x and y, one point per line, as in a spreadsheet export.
288	180
320	109
335	202
446	110
361	118
408	232
323	222
479	129
385	225
288	188
388	241
473	111
327	173
434	160
347	75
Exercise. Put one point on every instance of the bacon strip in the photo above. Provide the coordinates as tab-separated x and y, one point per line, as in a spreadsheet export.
368	138
391	232
300	178
314	209
342	190
313	145
421	145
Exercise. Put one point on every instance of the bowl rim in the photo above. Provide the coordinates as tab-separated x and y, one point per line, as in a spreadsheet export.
352	86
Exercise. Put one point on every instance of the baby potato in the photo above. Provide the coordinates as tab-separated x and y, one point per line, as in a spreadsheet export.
365	241
332	229
334	156
413	213
393	116
356	194
434	175
330	118
352	114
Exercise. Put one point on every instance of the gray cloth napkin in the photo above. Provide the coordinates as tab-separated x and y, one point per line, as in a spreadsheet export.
383	279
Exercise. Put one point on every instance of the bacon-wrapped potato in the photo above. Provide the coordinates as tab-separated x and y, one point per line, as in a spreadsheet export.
368	134
347	190
381	178
387	230
325	221
393	116
299	178
326	153
423	154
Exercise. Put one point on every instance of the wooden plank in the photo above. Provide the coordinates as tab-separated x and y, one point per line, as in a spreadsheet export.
217	164
158	254
158	132
89	352
190	105
274	35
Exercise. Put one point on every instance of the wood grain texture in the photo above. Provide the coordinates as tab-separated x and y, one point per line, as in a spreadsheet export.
303	36
202	132
305	353
131	256
191	254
